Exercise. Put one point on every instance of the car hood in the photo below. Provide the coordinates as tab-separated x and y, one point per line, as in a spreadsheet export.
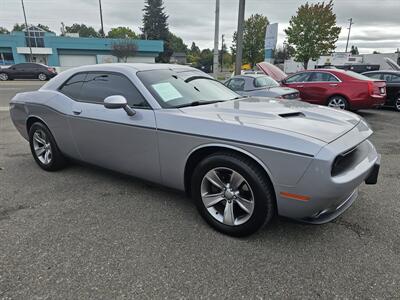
272	71
318	122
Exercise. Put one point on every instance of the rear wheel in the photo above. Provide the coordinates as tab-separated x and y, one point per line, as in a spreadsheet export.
42	77
397	103
338	102
3	76
44	148
232	194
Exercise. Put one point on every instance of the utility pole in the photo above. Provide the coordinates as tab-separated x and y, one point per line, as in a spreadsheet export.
101	19
239	40
222	52
216	38
348	36
27	30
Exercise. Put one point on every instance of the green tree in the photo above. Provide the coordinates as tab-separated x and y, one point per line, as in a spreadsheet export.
354	50
253	39
82	30
122	33
155	27
4	30
177	43
313	31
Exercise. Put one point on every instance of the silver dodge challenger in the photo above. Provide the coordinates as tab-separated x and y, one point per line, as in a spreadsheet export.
242	159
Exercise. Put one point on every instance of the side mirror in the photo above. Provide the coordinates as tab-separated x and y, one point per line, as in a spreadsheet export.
283	81
118	101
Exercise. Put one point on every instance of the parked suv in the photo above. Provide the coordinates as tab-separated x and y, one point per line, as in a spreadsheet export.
338	88
27	71
392	79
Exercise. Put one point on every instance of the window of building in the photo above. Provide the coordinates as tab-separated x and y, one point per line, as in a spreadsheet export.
34	37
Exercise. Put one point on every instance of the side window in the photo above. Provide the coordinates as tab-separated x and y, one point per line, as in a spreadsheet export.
302	77
98	86
374	75
236	84
395	78
72	87
322	77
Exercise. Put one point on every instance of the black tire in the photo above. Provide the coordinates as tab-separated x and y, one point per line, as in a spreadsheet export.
42	77
4	76
57	161
397	103
264	199
338	99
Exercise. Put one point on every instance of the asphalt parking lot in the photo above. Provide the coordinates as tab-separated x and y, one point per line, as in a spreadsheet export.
89	233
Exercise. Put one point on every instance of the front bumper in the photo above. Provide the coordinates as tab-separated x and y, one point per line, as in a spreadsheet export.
326	196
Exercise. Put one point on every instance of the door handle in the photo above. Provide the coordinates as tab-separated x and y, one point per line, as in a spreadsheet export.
333	84
77	111
300	86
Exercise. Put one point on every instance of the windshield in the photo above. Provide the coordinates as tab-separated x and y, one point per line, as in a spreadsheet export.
357	76
265	81
174	89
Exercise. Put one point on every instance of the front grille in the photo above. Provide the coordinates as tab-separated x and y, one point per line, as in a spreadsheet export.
349	159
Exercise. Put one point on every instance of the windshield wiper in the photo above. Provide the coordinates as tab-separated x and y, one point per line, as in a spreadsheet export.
197	103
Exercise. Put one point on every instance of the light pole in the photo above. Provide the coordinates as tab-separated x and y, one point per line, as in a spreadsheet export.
348	36
239	40
101	19
27	30
216	38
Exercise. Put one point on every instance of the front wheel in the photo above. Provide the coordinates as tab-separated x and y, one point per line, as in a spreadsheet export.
232	194
44	148
3	76
338	102
397	103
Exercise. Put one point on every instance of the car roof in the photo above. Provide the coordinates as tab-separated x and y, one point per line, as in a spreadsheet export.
133	66
382	71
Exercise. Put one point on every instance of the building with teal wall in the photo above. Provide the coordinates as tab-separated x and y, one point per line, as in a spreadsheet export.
67	51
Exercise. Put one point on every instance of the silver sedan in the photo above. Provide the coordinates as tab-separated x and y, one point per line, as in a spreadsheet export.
242	160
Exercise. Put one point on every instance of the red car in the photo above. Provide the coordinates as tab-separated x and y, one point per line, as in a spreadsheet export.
333	87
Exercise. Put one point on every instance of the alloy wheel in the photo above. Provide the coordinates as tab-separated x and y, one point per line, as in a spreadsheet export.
42	77
397	103
227	196
337	102
3	76
42	147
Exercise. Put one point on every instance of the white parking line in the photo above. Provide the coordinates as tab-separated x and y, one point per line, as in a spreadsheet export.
4	108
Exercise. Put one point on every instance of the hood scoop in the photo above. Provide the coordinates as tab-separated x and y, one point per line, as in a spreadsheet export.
292	115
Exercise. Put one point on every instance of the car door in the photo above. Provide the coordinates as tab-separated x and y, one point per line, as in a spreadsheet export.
30	71
16	71
298	81
392	86
320	86
109	137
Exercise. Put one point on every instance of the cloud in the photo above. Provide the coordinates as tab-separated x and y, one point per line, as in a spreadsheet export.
376	22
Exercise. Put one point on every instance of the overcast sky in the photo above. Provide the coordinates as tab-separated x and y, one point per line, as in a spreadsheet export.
377	23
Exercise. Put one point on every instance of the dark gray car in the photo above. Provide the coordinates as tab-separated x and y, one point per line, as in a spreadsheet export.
261	86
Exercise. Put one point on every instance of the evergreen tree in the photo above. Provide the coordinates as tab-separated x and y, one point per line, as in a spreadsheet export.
155	27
